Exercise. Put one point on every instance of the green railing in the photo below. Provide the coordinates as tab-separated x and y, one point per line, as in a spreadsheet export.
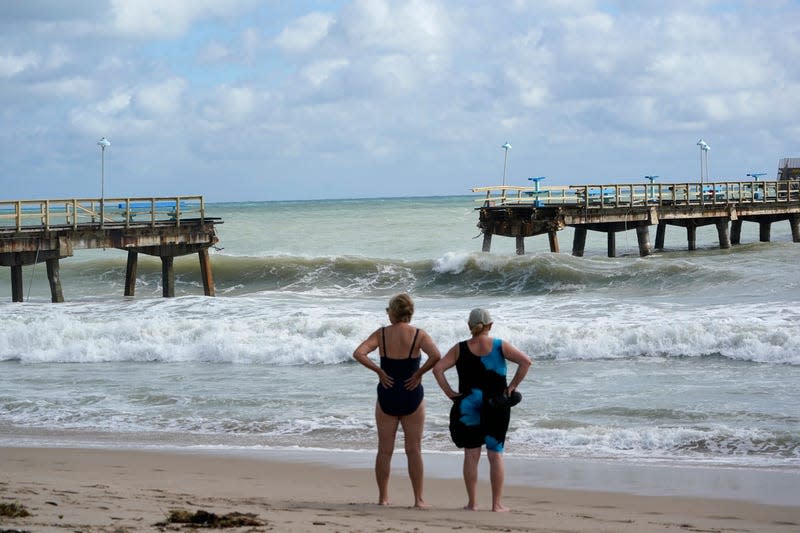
115	212
642	195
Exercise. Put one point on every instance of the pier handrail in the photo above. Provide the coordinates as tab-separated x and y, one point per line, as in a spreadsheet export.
47	214
644	194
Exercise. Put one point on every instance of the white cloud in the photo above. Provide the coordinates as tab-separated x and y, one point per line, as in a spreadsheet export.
114	104
405	26
319	72
162	98
10	65
159	18
215	52
305	32
76	87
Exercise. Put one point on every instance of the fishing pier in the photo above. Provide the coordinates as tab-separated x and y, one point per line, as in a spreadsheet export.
519	212
46	231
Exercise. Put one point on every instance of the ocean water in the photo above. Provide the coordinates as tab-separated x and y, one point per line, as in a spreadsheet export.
683	358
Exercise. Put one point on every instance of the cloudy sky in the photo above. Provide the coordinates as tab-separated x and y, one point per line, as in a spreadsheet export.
269	100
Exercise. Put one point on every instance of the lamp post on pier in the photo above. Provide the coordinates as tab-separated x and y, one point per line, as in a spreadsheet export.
704	148
103	143
505	147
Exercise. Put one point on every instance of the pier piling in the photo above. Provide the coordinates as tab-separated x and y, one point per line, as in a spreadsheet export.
723	233
54	277
520	245
579	241
764	230
611	243
661	232
130	272
168	276
643	236
736	231
487	241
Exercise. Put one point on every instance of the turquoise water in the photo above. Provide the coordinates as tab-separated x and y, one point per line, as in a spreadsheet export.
680	357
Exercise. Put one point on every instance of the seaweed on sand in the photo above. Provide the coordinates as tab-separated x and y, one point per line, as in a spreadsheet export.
13	510
202	518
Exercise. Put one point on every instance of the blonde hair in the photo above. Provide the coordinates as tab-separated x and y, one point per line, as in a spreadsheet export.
401	307
479	328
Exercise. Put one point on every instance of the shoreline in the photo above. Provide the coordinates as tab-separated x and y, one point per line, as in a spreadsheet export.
771	485
131	489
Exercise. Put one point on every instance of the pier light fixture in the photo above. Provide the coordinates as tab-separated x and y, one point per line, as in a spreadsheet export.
704	148
536	182
103	143
505	147
756	175
650	188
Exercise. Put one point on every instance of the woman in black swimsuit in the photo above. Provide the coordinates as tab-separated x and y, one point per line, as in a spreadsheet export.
400	393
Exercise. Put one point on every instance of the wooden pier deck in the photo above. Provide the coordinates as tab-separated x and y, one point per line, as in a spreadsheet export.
46	231
519	212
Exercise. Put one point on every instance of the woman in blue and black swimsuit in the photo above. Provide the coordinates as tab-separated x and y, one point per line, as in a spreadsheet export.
400	394
481	407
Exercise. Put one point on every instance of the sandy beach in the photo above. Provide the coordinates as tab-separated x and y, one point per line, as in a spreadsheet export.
73	489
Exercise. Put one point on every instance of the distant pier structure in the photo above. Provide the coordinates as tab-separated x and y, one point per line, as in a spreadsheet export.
519	212
46	231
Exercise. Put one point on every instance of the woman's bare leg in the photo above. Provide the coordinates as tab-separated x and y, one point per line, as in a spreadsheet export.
497	474
471	458
387	431
413	426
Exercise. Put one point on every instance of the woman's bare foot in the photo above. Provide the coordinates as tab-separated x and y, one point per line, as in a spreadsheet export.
470	507
383	502
420	504
500	508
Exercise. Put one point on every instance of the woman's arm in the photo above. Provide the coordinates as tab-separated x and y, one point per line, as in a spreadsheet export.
445	363
523	362
361	354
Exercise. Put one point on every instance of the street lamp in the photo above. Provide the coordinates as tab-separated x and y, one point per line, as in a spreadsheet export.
756	175
103	143
704	148
505	147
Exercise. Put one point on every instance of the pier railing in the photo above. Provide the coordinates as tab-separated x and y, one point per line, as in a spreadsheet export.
71	213
642	195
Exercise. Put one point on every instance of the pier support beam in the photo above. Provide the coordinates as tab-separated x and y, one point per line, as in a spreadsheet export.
794	222
736	231
168	276
16	283
130	273
612	243
723	233
764	231
691	236
579	241
54	277
520	245
487	241
205	273
661	232
553	235
643	236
